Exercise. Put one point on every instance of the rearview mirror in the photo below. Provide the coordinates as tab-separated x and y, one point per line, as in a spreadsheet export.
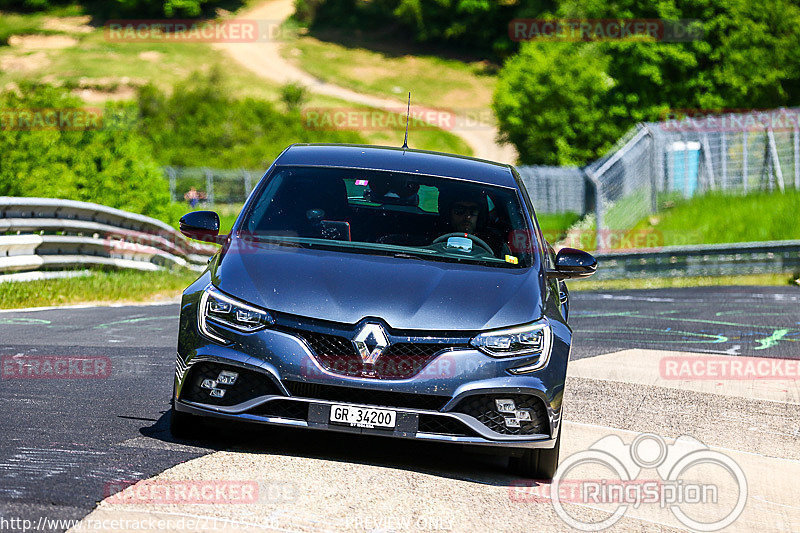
572	264
201	225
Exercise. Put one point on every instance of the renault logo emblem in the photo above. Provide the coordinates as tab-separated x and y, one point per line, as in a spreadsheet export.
370	343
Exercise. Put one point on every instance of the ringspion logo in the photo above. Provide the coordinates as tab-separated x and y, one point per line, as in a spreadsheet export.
685	483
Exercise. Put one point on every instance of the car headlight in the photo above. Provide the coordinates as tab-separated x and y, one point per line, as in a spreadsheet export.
218	308
528	340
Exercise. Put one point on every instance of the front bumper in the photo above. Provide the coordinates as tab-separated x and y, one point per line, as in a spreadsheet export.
293	381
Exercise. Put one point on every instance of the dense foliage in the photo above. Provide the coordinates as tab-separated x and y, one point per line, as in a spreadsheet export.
479	25
52	145
568	102
202	124
747	58
129	8
103	161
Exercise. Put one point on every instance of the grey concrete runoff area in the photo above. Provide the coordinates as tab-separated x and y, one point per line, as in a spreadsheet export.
710	371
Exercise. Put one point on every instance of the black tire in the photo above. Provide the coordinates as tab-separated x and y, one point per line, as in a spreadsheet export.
539	464
183	425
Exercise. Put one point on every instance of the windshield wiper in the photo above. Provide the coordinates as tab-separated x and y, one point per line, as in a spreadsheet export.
403	255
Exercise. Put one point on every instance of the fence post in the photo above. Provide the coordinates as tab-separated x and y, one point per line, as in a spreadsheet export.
724	160
686	166
598	207
247	183
209	186
653	170
776	162
745	177
172	180
797	157
710	181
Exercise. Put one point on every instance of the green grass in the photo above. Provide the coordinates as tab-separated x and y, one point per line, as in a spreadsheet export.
356	62
31	23
99	286
717	218
665	283
555	225
11	24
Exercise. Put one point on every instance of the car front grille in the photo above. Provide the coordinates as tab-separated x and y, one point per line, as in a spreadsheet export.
283	409
249	384
362	396
483	408
442	425
336	354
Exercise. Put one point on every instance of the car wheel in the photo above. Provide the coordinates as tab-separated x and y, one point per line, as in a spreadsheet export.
540	464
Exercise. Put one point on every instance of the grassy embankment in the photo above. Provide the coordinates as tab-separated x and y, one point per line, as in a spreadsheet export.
714	219
98	286
384	67
99	68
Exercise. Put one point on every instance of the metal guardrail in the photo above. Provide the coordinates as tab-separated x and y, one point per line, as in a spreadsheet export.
701	260
53	234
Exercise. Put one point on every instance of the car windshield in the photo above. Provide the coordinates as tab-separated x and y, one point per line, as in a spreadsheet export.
390	213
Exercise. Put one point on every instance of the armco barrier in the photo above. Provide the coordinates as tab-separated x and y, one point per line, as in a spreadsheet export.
53	234
701	260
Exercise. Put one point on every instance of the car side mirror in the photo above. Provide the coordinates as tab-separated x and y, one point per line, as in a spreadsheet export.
201	225
573	264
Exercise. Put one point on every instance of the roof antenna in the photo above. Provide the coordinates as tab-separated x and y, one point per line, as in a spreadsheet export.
408	114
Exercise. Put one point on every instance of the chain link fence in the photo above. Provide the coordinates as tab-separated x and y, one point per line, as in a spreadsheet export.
738	153
651	164
212	186
557	189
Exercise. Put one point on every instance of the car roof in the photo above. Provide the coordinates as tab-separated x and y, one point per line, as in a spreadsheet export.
394	159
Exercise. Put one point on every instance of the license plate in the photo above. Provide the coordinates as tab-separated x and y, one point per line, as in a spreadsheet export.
363	417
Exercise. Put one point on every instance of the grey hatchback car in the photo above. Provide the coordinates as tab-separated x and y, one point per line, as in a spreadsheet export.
382	291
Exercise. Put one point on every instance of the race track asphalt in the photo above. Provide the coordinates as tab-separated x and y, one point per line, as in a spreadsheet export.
67	443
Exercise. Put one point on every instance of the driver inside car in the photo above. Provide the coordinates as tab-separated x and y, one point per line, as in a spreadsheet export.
467	211
464	216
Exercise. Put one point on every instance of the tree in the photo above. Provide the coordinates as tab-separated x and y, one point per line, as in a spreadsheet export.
77	157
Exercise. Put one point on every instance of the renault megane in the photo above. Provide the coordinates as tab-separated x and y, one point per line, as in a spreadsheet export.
382	291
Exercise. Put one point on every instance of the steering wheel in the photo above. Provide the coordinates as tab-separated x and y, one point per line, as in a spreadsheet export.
477	240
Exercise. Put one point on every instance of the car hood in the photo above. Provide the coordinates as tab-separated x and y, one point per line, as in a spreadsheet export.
407	294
